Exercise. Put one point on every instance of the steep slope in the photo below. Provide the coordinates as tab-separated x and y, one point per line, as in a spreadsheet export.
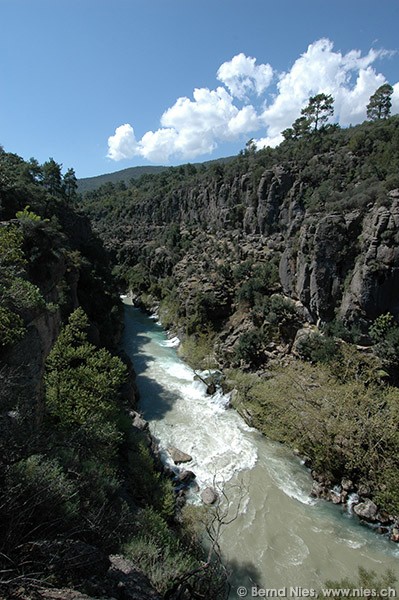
325	206
85	184
80	478
274	260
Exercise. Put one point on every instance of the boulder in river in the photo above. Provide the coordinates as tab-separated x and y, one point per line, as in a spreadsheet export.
347	484
178	456
138	421
318	490
185	476
395	535
209	496
366	510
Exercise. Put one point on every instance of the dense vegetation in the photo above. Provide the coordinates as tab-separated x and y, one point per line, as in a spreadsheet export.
78	481
186	241
125	176
205	245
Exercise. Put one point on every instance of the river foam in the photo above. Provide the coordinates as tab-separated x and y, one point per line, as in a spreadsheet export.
281	537
195	422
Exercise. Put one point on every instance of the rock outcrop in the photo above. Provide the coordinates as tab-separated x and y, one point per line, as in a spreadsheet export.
332	260
178	456
209	496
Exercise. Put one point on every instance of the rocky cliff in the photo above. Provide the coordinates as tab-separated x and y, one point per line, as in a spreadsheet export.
338	259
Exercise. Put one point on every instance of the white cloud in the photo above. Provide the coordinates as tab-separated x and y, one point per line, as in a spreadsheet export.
206	115
242	76
123	143
351	104
395	98
157	146
244	121
190	128
320	69
194	127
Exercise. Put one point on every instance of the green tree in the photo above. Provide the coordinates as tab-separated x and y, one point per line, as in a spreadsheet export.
300	127
379	106
70	184
319	109
51	176
81	380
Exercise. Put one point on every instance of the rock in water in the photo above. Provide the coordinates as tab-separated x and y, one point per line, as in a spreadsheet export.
186	476
209	496
178	456
366	510
138	421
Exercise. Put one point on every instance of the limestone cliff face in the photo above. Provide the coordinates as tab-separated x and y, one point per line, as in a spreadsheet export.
334	262
25	358
67	269
373	287
345	264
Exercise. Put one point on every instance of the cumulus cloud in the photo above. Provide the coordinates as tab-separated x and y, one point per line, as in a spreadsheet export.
200	122
123	143
246	104
395	98
242	76
318	70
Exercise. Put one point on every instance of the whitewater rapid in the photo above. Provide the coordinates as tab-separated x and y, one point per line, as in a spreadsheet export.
282	536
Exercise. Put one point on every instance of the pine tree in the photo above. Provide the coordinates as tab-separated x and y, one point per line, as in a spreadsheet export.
379	106
319	109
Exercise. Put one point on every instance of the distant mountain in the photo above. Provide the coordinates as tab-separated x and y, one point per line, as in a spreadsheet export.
91	183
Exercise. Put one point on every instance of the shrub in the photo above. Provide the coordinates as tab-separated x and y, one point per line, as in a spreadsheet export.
317	348
38	500
81	380
249	346
11	326
27	215
367	581
25	295
157	551
385	334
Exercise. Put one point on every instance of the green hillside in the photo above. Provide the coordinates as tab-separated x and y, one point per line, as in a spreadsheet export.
87	184
91	183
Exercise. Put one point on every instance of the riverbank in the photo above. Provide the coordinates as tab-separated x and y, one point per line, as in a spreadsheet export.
329	482
282	536
278	419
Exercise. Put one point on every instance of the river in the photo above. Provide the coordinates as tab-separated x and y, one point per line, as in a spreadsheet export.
282	537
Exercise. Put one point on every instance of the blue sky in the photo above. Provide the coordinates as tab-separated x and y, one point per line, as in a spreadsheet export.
101	85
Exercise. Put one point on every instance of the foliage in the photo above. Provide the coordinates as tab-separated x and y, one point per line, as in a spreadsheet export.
368	584
17	294
259	281
11	326
146	485
37	498
318	110
346	428
51	176
385	334
313	117
379	106
249	347
70	184
203	313
316	347
157	552
27	215
198	350
81	381
11	252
